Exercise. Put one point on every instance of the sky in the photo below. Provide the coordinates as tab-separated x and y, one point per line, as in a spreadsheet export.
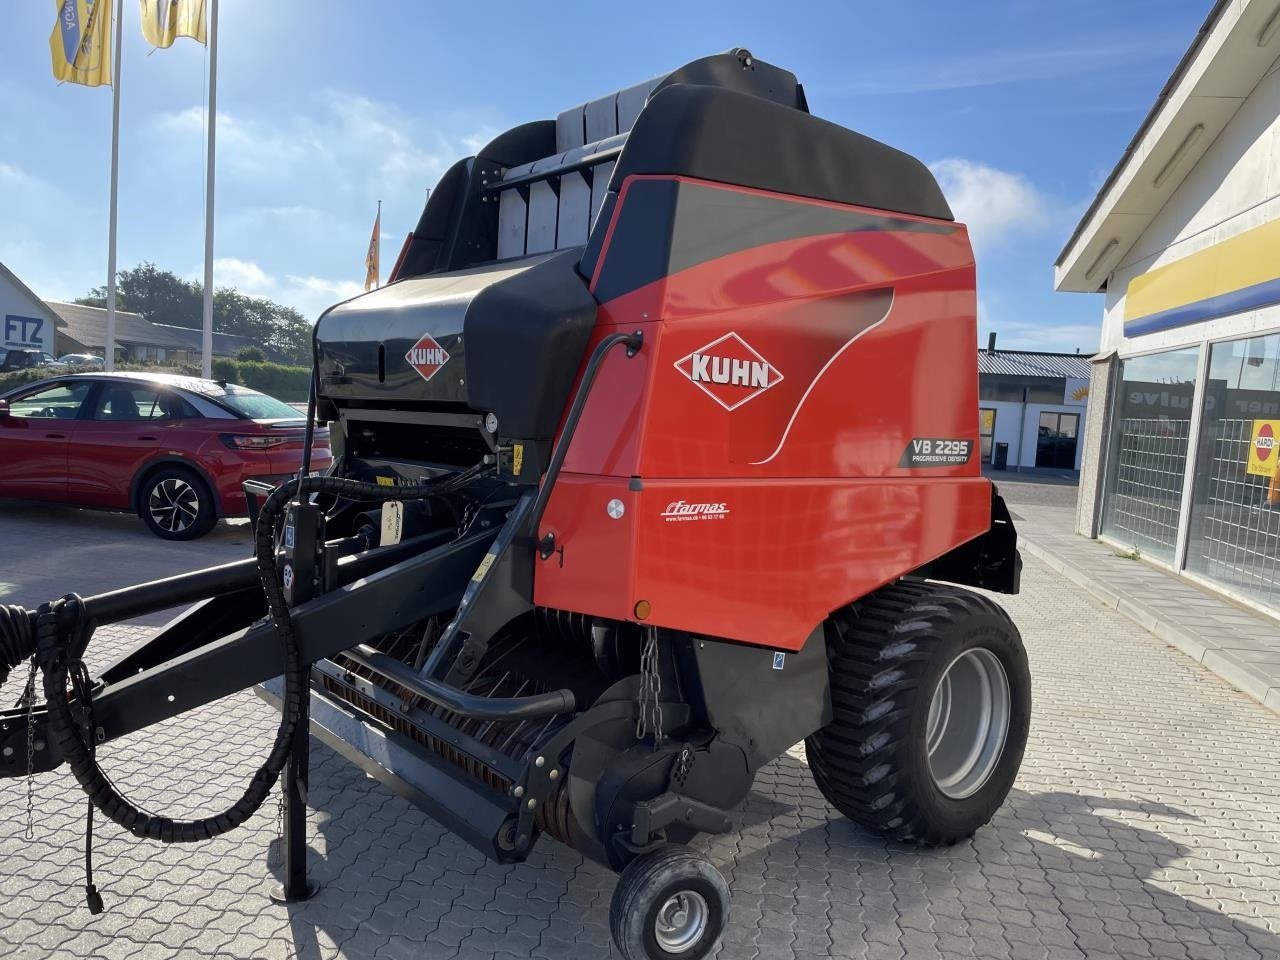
1020	107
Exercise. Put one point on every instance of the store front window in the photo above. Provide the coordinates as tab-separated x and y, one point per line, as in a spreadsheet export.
1234	535
986	431
1148	452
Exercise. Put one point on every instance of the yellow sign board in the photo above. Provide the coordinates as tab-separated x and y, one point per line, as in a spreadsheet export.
1264	442
986	420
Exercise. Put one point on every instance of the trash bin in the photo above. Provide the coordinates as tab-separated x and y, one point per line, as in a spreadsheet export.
1000	459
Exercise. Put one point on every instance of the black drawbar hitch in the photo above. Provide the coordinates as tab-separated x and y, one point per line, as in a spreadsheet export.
58	633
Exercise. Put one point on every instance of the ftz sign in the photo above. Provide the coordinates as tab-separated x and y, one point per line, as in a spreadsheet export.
23	331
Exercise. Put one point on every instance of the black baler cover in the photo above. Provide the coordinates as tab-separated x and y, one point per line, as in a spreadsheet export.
525	340
515	333
713	133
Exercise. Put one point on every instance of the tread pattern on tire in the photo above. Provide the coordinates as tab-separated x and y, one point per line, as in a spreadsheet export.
627	896
880	648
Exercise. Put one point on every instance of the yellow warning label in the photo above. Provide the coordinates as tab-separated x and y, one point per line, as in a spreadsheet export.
517	458
1262	448
485	564
385	481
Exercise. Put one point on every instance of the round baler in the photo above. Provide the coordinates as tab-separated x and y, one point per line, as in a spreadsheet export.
656	456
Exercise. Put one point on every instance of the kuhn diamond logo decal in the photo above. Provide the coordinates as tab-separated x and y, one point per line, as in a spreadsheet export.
729	371
427	357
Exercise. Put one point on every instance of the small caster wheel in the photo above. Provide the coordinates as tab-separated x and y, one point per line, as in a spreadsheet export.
669	903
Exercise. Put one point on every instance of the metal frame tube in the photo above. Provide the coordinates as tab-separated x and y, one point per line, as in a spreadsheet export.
468	704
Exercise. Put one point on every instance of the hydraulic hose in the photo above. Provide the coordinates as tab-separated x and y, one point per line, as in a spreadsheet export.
57	666
17	639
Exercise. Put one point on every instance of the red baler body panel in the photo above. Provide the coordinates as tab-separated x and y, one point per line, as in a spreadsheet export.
757	441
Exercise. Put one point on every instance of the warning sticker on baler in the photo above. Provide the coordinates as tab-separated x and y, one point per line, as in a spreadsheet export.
936	452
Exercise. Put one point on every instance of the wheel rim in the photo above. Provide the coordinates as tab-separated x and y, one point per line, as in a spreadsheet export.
173	505
681	922
968	723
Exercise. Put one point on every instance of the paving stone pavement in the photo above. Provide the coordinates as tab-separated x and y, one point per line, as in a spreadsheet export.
1237	643
1145	823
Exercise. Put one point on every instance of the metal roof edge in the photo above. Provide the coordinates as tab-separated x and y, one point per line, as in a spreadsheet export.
1170	85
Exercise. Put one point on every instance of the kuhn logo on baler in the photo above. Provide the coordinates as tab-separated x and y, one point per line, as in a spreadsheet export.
729	370
427	356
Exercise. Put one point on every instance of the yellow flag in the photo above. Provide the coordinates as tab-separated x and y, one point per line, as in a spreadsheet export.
371	258
163	21
81	42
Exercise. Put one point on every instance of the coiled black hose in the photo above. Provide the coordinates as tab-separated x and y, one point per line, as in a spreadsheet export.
17	639
79	753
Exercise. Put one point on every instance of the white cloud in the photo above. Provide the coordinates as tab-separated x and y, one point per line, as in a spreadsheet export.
308	295
343	138
997	205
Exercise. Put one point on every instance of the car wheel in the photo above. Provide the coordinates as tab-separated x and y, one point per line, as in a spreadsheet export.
177	504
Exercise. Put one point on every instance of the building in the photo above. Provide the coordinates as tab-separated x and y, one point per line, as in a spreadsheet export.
224	344
137	339
1184	241
1031	404
26	322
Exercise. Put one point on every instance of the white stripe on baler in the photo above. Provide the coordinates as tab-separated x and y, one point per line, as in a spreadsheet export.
818	376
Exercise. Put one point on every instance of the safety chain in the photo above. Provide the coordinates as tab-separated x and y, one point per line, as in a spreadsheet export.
30	696
650	718
279	856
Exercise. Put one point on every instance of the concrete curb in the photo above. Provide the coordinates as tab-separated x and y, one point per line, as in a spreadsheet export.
1234	670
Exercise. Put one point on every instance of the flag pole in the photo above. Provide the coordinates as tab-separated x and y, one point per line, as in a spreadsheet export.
206	340
109	354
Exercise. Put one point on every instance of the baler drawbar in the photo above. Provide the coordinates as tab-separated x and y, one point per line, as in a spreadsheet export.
656	456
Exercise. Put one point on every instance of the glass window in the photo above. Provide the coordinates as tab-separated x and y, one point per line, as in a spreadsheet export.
1148	451
1056	440
986	431
258	406
61	402
121	402
1234	535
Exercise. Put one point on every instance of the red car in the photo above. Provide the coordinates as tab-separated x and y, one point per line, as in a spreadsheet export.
174	449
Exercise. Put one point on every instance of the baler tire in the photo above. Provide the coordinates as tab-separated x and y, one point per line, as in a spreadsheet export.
888	653
652	881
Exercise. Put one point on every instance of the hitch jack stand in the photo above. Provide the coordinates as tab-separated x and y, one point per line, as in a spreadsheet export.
296	887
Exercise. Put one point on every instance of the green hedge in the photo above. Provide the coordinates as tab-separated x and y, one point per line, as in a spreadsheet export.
286	383
16	378
276	379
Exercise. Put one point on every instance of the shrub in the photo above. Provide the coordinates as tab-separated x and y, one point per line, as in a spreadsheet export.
18	378
287	383
253	354
224	368
283	382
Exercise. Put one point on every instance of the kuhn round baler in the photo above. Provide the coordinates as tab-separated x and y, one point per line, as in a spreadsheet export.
657	455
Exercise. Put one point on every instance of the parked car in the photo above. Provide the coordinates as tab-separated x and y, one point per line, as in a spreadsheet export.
14	358
81	361
173	449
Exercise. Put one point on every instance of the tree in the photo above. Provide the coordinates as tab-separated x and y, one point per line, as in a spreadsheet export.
251	353
161	296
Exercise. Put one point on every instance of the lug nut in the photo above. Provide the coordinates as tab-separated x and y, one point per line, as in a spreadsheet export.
540	761
532	803
518	792
554	775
